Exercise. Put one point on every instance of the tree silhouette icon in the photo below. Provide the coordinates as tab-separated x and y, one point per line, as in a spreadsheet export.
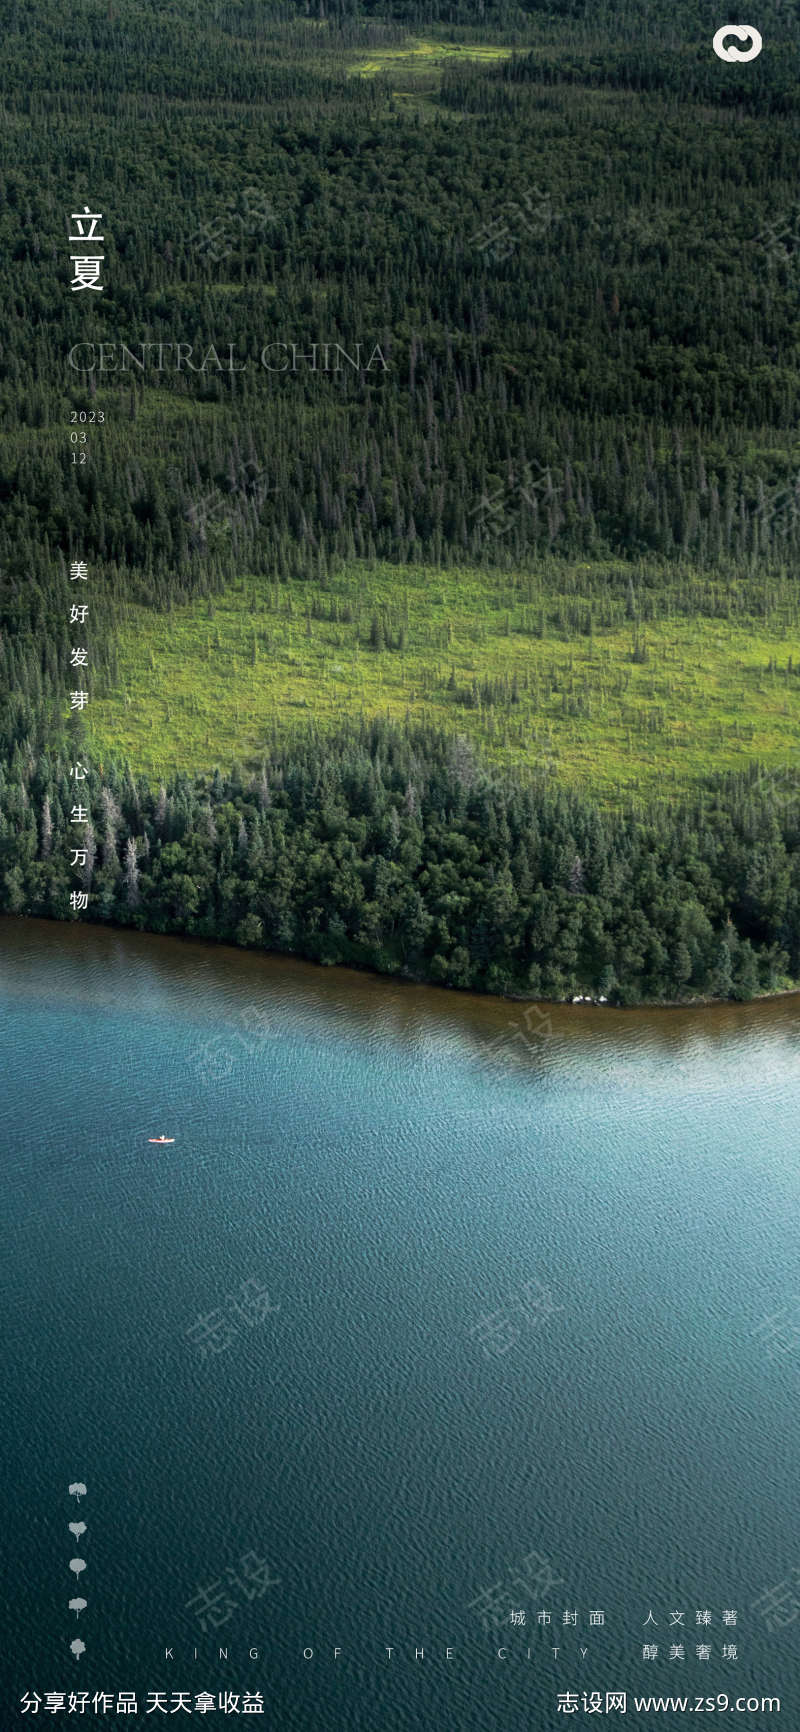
77	1489
77	1606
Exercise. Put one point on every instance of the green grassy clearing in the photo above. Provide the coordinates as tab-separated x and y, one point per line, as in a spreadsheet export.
421	56
628	710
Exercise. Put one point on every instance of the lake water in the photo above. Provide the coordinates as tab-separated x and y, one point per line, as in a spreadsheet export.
434	1310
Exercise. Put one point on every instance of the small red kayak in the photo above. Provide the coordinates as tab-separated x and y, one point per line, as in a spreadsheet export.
161	1139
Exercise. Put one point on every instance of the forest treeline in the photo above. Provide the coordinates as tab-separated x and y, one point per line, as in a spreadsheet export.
396	850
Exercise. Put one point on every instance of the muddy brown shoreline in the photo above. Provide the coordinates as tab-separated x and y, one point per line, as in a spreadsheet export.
118	965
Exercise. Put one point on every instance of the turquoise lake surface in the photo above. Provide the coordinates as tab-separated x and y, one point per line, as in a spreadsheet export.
436	1310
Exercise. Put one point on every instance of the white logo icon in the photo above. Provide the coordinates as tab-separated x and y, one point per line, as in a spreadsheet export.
742	33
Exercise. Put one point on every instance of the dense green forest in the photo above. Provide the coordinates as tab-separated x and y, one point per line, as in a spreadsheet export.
395	850
573	237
